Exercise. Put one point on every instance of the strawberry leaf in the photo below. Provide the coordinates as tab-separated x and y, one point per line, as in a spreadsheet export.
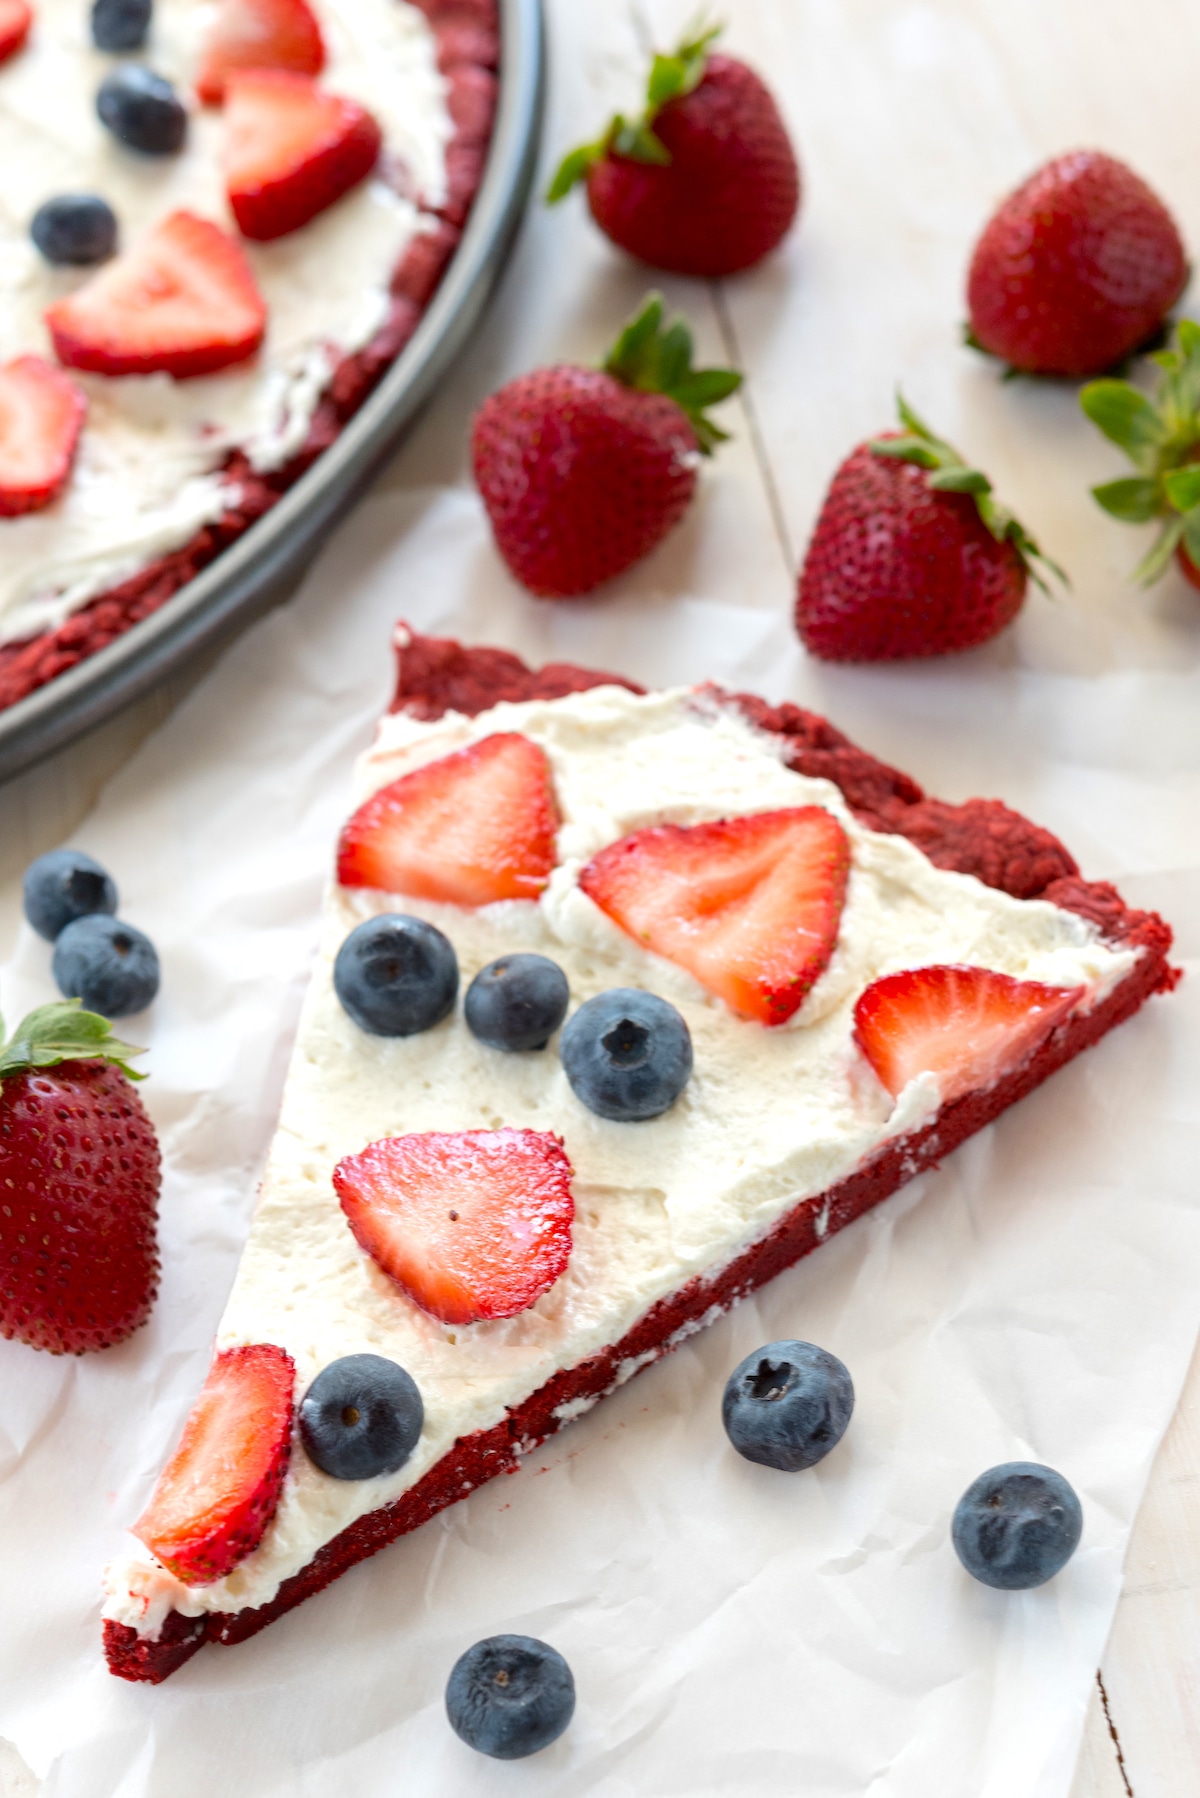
651	359
574	167
960	480
1124	415
638	142
671	77
1152	565
1191	536
1183	487
1135	500
1161	436
64	1032
948	473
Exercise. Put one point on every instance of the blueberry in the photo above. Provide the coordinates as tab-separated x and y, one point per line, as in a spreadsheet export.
142	109
396	975
509	1696
110	966
787	1405
64	885
120	24
75	230
517	1002
627	1054
361	1417
1017	1525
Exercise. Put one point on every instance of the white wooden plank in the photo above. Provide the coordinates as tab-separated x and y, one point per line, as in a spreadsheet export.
1099	1774
1152	1663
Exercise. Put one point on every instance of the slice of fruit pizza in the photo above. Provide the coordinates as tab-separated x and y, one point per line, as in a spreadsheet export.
790	981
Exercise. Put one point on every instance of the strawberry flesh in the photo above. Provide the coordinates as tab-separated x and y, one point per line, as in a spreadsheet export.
183	301
581	476
218	1493
16	16
1076	269
749	905
471	1225
729	191
79	1179
468	829
291	149
967	1025
896	569
259	34
41	416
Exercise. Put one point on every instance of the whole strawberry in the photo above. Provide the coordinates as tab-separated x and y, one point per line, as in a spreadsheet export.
584	470
706	181
1077	269
79	1179
1161	437
911	555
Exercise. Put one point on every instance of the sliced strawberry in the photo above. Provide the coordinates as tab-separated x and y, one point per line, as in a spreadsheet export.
966	1025
183	301
41	416
218	1492
748	905
470	1225
476	826
291	149
259	34
15	19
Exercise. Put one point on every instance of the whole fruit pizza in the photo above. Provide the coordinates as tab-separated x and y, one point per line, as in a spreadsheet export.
221	224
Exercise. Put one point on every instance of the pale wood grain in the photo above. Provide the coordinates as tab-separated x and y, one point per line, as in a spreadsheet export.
1099	1773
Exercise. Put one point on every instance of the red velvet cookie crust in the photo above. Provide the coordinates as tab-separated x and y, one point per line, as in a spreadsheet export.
468	44
980	837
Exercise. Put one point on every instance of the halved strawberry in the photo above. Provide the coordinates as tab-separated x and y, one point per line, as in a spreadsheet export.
473	827
966	1025
748	905
41	416
218	1492
470	1225
259	34
291	149
15	19
183	301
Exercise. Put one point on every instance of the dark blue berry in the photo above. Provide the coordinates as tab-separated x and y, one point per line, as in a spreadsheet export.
509	1696
142	109
110	966
361	1417
787	1405
1017	1525
75	230
64	885
396	975
517	1002
120	24
627	1054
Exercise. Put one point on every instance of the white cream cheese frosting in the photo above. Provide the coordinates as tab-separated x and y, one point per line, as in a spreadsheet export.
770	1117
146	477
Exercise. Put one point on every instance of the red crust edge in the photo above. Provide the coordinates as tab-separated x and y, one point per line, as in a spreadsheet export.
981	837
468	41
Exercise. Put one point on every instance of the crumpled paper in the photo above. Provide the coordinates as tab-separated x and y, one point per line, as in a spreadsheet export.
731	1630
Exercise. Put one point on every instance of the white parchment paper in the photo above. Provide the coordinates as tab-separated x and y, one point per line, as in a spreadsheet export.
731	1629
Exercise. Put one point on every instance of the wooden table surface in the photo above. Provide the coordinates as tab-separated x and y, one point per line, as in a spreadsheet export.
911	119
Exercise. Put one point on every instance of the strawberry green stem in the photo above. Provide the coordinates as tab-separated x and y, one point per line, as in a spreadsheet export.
63	1032
949	473
1161	437
671	77
652	357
